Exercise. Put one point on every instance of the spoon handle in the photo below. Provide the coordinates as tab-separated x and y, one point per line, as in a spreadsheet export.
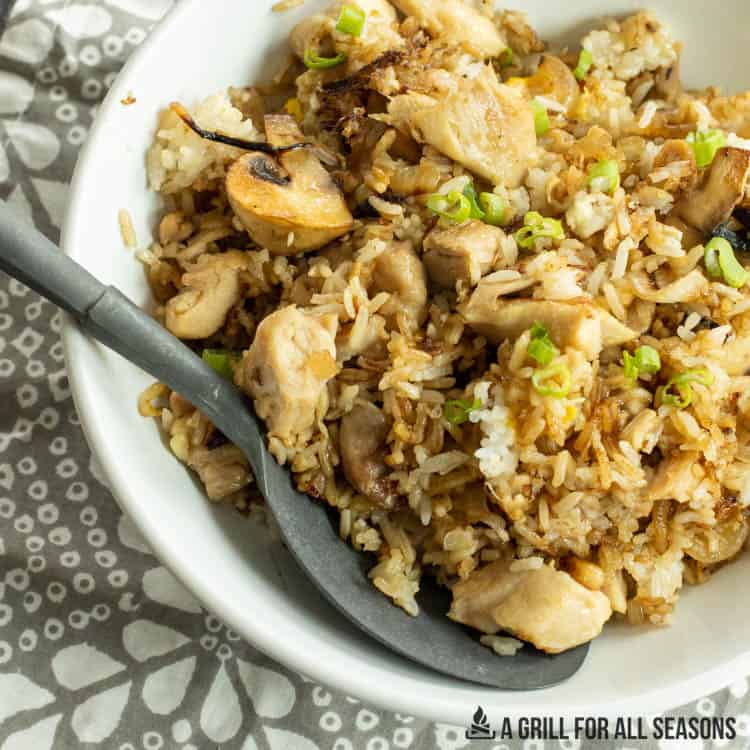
107	315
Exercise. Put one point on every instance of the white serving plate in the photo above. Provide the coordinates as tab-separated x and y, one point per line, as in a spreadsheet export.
234	568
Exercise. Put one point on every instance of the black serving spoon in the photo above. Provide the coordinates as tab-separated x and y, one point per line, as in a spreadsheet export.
430	639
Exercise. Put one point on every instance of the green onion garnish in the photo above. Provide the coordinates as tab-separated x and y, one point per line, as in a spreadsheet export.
721	263
471	194
705	144
219	360
494	208
535	226
645	361
541	118
677	392
506	58
553	380
585	61
315	62
351	20
605	176
454	207
457	411
540	348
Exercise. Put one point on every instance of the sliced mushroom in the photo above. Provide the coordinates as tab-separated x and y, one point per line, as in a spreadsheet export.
462	252
456	22
486	126
713	202
212	287
721	542
362	439
581	325
286	369
667	83
223	470
544	606
674	479
399	271
291	204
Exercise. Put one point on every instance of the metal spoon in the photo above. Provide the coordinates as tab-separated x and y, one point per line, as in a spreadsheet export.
430	639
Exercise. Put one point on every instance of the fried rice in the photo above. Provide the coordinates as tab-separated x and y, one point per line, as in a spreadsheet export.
493	312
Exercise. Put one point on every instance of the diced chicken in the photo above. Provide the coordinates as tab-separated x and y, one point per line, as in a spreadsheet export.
223	470
212	287
286	369
291	204
734	356
379	35
463	252
674	479
544	606
399	271
362	442
581	325
484	125
713	202
456	22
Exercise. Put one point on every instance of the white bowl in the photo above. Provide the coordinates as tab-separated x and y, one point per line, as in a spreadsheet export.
234	568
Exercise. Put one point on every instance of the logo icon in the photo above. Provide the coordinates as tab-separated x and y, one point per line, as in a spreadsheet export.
480	727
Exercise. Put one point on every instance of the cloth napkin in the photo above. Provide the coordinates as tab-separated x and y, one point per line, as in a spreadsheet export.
99	644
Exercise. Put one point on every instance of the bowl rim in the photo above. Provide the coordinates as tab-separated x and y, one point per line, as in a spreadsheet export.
75	342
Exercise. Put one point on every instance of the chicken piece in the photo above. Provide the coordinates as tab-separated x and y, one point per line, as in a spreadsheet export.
713	202
223	470
554	80
582	325
674	479
456	22
399	271
543	606
291	204
286	369
484	125
463	252
362	443
379	35
212	287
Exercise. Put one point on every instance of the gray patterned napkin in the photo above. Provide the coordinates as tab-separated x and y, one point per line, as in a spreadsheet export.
99	644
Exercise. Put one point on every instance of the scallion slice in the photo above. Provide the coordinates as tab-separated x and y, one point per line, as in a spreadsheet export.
506	58
605	176
495	208
541	118
705	144
721	263
678	392
540	348
585	61
535	226
645	361
219	360
554	380
471	194
315	62
454	207
351	20
457	411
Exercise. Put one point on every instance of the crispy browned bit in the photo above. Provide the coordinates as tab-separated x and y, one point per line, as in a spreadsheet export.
228	140
128	100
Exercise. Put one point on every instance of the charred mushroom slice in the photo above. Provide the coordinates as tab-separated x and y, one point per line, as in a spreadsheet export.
713	202
363	435
291	204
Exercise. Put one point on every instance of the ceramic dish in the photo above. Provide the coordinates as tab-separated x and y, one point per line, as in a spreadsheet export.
236	569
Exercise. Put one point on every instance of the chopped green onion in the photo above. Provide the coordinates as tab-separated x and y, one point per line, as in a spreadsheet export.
454	207
540	348
471	194
219	360
351	20
645	361
705	144
506	58
553	380
535	226
605	174
494	208
683	396
721	263
541	118
585	61
315	62
457	411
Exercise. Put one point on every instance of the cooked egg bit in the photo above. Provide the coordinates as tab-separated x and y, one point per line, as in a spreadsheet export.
280	191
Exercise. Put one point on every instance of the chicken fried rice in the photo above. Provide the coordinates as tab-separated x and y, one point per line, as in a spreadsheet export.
489	300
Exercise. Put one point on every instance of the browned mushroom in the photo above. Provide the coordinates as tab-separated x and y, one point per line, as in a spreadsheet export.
713	202
362	437
291	204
